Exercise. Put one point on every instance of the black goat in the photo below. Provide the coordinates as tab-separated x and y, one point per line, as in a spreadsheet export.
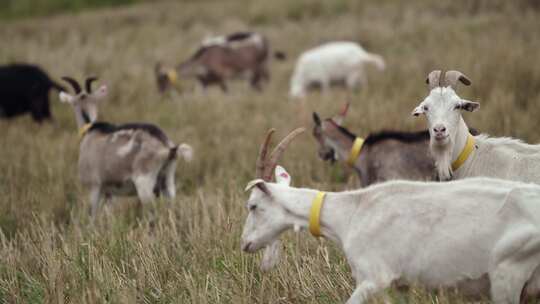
25	88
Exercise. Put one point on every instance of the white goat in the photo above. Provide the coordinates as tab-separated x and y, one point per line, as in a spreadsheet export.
457	153
480	236
332	63
131	159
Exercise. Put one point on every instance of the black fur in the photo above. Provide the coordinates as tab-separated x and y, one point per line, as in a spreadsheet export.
85	116
24	89
373	138
406	137
107	128
346	132
238	36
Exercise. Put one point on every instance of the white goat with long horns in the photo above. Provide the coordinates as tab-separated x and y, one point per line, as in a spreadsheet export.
480	236
129	159
457	153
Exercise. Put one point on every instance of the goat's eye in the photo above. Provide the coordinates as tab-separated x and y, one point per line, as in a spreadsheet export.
457	107
252	207
425	108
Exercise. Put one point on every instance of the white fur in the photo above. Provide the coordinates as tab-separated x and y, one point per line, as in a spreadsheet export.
330	62
65	97
125	149
254	39
501	157
186	152
476	232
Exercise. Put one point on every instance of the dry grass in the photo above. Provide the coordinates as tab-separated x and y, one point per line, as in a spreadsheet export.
187	251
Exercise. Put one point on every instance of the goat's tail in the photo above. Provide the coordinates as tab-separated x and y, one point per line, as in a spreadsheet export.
280	55
183	150
376	60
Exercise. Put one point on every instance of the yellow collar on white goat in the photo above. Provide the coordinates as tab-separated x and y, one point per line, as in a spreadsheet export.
315	214
465	153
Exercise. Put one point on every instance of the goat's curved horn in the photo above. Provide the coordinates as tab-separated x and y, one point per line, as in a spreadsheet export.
261	159
433	79
451	79
73	83
88	84
278	151
345	108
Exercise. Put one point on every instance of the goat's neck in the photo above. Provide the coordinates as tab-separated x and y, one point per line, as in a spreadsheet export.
80	116
460	139
342	145
336	212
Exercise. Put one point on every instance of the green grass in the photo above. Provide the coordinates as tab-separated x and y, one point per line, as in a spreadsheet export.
187	250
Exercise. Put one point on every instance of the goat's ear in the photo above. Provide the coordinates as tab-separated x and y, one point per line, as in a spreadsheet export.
101	92
65	97
470	106
418	110
316	119
282	176
259	183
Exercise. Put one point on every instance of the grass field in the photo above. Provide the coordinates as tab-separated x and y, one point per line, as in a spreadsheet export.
187	250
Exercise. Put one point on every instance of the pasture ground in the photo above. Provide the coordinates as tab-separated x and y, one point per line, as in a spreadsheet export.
187	250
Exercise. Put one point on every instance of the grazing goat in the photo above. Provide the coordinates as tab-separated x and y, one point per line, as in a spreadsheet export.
380	156
332	63
130	159
478	236
25	88
221	58
457	153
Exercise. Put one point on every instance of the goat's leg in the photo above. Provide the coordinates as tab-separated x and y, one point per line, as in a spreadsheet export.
352	80
362	292
256	80
325	86
223	85
170	188
95	198
145	188
507	283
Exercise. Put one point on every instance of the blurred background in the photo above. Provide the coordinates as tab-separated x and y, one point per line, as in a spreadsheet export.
187	251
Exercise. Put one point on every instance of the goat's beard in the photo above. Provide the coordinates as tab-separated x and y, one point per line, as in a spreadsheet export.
442	154
271	255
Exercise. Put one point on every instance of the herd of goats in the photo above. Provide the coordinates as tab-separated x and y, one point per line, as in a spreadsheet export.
444	208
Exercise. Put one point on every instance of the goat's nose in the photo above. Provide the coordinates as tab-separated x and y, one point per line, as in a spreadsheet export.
439	129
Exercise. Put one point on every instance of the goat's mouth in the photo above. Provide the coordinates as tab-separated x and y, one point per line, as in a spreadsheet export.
441	137
249	247
329	155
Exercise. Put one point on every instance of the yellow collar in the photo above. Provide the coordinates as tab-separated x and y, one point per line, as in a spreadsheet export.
315	214
355	151
465	153
172	75
84	129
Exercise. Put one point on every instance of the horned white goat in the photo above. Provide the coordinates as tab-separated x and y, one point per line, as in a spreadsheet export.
480	236
130	159
332	63
457	153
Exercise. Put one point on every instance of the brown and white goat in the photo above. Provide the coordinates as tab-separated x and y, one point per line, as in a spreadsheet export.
221	58
129	159
382	156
